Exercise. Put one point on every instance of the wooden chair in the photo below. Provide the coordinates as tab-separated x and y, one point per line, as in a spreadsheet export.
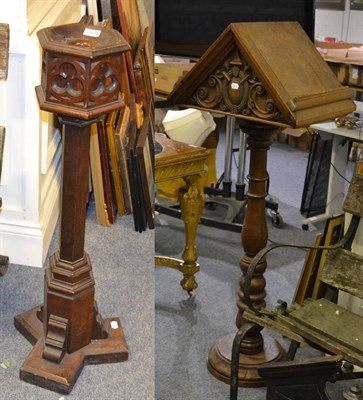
320	323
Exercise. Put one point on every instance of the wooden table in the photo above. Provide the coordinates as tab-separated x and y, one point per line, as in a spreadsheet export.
180	160
338	163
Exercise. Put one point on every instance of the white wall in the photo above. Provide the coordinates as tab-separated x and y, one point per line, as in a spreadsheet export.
345	26
30	182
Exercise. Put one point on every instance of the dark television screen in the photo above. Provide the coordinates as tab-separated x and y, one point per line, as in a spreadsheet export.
189	27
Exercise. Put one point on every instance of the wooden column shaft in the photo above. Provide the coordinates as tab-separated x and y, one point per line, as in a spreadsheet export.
254	232
76	143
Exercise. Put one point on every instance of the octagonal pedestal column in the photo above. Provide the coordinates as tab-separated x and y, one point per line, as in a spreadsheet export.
80	71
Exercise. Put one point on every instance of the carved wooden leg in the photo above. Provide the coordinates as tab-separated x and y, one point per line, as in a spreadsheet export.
256	348
191	203
296	380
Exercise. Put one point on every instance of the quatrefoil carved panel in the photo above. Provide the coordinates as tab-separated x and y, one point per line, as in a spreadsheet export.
83	84
67	81
234	88
103	81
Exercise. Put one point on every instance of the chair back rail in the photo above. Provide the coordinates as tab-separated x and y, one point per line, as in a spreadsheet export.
345	242
343	270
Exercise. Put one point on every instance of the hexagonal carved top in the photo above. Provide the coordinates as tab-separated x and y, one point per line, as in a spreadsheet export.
81	70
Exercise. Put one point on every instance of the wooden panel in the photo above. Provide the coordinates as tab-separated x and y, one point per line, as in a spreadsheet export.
97	180
331	326
114	162
36	11
2	144
92	10
132	17
61	12
343	270
4	50
281	50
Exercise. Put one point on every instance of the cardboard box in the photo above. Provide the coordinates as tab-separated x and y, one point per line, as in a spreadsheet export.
355	75
340	70
345	60
300	138
167	74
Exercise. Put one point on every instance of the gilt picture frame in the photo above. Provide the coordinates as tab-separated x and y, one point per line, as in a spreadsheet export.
145	168
309	285
333	232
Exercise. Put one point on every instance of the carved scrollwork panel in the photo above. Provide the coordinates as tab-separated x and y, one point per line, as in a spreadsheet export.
233	87
260	103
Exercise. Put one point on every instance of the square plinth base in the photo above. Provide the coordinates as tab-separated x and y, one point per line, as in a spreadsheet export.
62	377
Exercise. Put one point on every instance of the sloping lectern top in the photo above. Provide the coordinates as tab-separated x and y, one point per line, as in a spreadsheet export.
267	72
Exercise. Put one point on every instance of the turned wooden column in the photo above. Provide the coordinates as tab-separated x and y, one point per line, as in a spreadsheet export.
254	230
256	348
80	81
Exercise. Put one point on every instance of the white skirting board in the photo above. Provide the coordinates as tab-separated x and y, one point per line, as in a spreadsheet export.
27	243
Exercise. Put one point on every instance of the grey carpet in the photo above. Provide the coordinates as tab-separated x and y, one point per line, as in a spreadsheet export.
186	327
122	261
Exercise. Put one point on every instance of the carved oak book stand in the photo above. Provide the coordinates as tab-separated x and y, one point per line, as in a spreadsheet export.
267	76
80	80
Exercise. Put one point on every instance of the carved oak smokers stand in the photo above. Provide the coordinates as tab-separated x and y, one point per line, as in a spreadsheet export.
80	81
267	75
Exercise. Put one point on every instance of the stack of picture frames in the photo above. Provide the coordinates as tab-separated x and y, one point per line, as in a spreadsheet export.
122	142
309	285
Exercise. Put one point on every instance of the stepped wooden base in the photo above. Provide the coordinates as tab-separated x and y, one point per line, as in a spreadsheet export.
219	361
62	377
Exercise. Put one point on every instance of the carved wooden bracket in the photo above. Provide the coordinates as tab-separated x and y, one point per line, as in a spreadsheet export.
55	344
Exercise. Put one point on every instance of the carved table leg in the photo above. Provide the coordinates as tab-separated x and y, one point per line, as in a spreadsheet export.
191	203
255	349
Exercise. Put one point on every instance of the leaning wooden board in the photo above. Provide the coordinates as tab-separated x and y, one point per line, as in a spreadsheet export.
4	50
2	144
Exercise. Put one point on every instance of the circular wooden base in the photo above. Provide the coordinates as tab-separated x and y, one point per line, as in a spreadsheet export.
219	361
